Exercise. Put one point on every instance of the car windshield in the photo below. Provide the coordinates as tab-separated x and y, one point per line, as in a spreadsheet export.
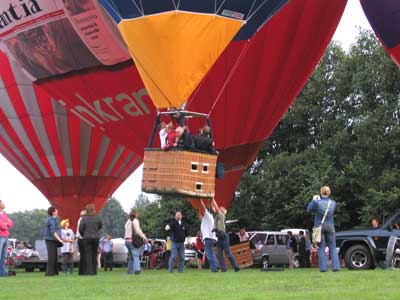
393	222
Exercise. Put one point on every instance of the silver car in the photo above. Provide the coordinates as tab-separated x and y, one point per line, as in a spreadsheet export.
269	249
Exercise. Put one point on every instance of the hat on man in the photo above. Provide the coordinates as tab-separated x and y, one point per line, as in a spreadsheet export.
63	222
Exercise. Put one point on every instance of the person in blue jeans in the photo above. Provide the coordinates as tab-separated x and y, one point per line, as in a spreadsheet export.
209	239
132	227
318	205
178	232
223	243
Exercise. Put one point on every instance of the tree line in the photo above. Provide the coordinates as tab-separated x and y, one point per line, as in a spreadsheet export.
342	131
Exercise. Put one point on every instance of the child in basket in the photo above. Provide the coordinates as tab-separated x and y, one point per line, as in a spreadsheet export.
67	251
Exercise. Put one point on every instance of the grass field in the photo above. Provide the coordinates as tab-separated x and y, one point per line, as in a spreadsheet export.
193	284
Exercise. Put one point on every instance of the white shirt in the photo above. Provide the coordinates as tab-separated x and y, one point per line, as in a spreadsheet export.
67	235
207	226
163	134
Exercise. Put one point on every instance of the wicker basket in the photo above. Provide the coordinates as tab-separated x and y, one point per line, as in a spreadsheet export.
242	254
179	172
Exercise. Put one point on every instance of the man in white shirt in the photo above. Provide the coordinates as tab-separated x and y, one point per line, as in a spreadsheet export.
209	238
163	134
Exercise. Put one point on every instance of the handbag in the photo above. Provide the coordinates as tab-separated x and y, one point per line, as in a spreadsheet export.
317	230
137	241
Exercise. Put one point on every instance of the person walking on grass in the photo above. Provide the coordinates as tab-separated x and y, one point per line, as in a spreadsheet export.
5	225
302	250
67	250
323	208
223	243
134	233
178	231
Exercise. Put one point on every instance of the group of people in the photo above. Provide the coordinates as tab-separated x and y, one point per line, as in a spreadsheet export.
59	235
213	232
171	137
302	247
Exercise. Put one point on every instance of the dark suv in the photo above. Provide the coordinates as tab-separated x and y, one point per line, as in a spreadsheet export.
366	248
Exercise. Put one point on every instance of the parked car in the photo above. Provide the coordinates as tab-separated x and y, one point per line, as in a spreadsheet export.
366	248
269	249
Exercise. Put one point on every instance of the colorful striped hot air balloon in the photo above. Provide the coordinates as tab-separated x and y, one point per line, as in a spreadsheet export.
384	17
69	161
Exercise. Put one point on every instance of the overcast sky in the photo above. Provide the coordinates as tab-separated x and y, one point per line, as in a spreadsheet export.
19	194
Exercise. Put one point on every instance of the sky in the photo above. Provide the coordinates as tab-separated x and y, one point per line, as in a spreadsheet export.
19	194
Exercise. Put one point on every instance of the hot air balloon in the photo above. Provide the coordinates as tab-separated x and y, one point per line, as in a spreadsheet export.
70	162
384	17
173	45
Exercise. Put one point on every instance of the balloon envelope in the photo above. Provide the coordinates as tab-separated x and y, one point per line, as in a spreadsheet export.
384	17
174	43
70	162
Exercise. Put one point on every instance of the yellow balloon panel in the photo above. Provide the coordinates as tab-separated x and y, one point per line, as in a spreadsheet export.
174	51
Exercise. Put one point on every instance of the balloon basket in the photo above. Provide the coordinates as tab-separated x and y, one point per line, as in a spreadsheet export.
181	172
242	254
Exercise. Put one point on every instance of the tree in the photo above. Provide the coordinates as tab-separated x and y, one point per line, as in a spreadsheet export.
113	218
343	130
154	215
28	225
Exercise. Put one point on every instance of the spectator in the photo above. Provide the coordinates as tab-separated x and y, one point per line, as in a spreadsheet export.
223	244
53	240
302	250
179	232
203	140
324	206
163	134
184	139
132	228
28	245
308	250
209	238
243	235
81	247
67	250
291	246
5	225
107	246
170	140
89	229
199	250
375	222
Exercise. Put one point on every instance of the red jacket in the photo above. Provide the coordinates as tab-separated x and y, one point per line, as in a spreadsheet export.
5	225
199	244
170	140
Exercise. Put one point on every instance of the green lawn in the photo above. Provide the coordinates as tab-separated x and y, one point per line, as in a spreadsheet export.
192	284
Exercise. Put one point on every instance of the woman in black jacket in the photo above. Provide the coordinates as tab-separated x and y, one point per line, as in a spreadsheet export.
89	229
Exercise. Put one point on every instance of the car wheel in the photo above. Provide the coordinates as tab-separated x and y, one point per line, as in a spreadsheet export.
265	263
358	257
